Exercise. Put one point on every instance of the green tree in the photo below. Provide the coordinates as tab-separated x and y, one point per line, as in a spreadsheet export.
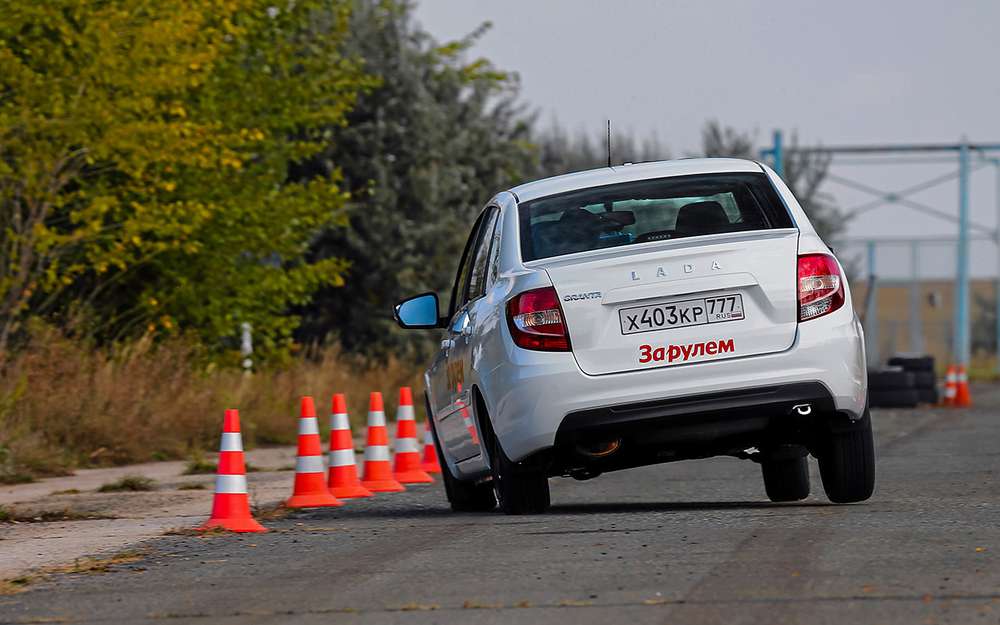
560	152
144	159
421	154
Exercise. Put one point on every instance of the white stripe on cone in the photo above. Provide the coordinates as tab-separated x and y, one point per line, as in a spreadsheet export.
374	453
404	445
376	418
341	457
404	413
339	421
231	441
231	484
308	425
309	464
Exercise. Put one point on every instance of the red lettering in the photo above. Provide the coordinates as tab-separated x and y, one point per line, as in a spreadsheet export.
658	354
699	349
726	346
686	349
673	353
711	348
644	353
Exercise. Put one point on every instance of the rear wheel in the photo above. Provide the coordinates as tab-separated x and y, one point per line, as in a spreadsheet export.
463	496
847	461
521	487
786	477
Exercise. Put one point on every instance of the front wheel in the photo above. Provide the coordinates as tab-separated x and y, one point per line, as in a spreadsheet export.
847	461
521	487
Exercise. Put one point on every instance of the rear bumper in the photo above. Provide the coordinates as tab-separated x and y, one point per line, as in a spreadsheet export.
532	394
695	426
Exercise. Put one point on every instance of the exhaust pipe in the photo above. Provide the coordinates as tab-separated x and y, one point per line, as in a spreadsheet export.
600	449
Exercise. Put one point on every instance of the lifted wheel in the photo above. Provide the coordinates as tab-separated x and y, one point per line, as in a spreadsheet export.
463	496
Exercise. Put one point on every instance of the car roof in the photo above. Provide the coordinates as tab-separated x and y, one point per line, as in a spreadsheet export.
630	172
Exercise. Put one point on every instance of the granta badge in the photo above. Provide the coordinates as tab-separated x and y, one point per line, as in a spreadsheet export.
578	296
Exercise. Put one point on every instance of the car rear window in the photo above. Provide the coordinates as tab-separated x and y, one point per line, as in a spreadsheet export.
648	210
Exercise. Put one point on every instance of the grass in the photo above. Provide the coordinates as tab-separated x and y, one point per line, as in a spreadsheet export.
11	515
129	483
191	486
68	491
80	566
199	466
66	405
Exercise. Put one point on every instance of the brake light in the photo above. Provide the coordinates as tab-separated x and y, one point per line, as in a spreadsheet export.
821	286
536	321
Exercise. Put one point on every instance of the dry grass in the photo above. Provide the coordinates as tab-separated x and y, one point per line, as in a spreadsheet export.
64	405
81	566
129	483
13	515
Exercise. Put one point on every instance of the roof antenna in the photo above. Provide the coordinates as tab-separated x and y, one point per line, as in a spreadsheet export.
609	143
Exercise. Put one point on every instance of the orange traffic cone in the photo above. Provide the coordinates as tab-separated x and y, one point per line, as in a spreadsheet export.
342	478
378	470
430	462
950	387
466	418
310	479
231	506
406	466
963	399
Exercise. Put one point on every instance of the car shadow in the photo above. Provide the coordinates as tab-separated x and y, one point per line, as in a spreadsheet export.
611	507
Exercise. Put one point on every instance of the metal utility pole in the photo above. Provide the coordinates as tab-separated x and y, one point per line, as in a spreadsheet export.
916	302
962	279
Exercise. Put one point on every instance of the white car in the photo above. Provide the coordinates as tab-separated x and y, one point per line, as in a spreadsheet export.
640	314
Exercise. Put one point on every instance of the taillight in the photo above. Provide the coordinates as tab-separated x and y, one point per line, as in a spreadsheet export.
536	321
821	286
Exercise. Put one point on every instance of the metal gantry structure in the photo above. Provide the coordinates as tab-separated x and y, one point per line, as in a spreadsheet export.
963	153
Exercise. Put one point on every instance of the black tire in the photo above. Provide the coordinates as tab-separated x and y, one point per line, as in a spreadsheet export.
463	496
924	379
520	487
912	363
787	478
894	398
847	461
928	395
889	379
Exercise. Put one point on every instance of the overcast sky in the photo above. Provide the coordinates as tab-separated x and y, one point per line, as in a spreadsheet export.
841	72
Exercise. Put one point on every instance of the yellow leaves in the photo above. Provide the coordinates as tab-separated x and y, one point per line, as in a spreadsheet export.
169	186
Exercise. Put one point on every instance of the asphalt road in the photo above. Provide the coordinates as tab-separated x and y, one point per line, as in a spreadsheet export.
693	542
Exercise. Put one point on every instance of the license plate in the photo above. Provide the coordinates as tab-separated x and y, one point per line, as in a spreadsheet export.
692	312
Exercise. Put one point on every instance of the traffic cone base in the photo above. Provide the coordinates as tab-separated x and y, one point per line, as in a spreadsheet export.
415	476
315	500
226	513
383	486
356	491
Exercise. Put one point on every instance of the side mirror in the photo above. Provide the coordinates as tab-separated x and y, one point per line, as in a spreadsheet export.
418	312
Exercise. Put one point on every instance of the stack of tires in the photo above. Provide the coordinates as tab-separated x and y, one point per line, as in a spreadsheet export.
905	383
